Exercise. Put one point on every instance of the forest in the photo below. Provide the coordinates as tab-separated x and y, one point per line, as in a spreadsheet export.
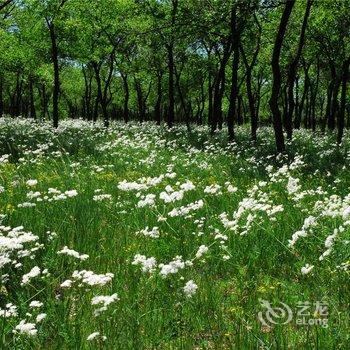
210	62
174	174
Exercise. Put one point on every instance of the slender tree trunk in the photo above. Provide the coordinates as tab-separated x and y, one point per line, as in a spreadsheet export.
299	116
171	68
210	100
341	114
219	88
106	93
5	3
292	73
56	86
296	105
182	100
258	97
31	99
202	105
44	100
251	96
1	96
139	94
126	98
234	82
158	116
96	113
17	96
87	110
328	105
314	91
276	86
332	97
334	105
99	98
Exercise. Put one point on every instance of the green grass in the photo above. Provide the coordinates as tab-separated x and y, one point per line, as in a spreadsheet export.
153	312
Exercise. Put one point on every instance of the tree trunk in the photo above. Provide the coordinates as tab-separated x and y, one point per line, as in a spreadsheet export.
341	114
182	99
314	90
158	116
234	82
292	73
1	96
210	100
87	110
298	117
219	88
44	99
99	99
139	95
31	99
126	98
56	86
334	105
253	110
171	68
276	86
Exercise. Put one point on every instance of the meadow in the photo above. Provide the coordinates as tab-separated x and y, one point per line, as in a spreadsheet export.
141	237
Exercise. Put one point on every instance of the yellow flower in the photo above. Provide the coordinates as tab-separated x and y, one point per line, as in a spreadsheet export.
10	208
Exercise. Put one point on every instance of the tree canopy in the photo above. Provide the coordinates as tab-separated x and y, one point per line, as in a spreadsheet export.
214	62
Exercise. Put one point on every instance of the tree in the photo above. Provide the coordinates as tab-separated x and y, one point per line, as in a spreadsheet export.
292	70
276	87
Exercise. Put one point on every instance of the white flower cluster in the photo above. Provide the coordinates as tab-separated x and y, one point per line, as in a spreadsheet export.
10	310
173	266
103	301
305	270
88	278
185	210
70	252
250	210
213	189
190	289
148	265
95	335
15	243
52	195
147	201
153	233
34	272
26	328
309	222
203	249
102	197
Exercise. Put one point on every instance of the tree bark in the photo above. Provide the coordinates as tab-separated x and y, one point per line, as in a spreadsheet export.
171	111
292	70
276	86
158	114
249	68
219	88
341	114
1	96
126	98
56	86
99	99
5	3
236	35
299	116
31	99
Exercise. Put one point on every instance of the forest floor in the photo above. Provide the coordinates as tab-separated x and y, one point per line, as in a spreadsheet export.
141	237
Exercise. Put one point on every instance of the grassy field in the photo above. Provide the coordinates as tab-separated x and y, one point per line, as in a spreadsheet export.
143	238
